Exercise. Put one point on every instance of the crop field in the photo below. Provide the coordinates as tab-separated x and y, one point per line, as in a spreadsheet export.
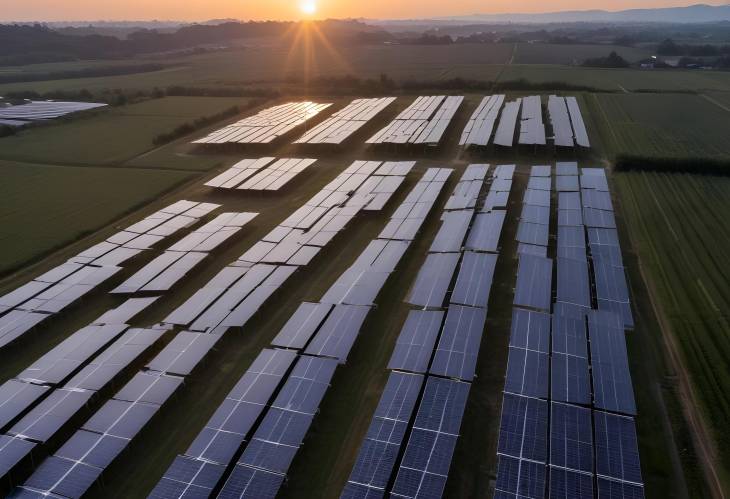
111	135
264	64
547	53
664	125
43	208
678	224
620	80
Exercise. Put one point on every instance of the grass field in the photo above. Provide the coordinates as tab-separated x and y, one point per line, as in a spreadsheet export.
112	135
75	202
618	80
546	53
678	224
664	125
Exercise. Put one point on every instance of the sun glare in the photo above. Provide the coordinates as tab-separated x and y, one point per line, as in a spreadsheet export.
308	7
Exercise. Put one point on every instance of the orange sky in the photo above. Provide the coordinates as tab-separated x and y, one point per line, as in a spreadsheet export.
54	10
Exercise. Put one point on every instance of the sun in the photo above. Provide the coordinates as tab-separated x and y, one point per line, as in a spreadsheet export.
308	7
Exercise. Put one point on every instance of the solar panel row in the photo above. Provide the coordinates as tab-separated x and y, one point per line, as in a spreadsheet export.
424	467
505	134
342	124
25	307
43	110
532	129
172	265
255	175
523	464
266	126
610	276
478	130
423	122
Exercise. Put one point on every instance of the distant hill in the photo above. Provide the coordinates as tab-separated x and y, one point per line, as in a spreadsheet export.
699	13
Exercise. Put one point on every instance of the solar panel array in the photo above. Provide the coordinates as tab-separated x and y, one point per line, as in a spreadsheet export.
127	412
240	289
535	270
263	174
612	290
440	340
30	111
342	124
532	129
479	128
172	265
25	307
266	126
43	398
505	134
567	122
423	122
567	427
263	421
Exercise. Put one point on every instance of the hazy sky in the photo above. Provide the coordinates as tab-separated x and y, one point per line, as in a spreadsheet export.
77	10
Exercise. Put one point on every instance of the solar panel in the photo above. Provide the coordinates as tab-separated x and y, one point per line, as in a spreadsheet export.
45	419
12	451
569	335
486	231
569	379
302	325
188	478
568	484
611	489
534	282
248	482
536	234
540	183
232	421
433	280
612	386
339	331
617	451
92	448
571	438
454	226
534	214
458	347
63	477
277	440
537	197
520	478
569	201
527	373
573	282
414	345
378	454
523	430
121	418
474	282
16	397
530	330
425	464
567	183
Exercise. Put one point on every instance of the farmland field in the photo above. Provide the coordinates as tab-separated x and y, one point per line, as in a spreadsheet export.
665	125
678	225
111	135
75	201
618	80
547	53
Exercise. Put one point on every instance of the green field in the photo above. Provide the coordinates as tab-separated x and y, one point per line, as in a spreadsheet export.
663	125
618	80
43	208
546	53
112	135
678	226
